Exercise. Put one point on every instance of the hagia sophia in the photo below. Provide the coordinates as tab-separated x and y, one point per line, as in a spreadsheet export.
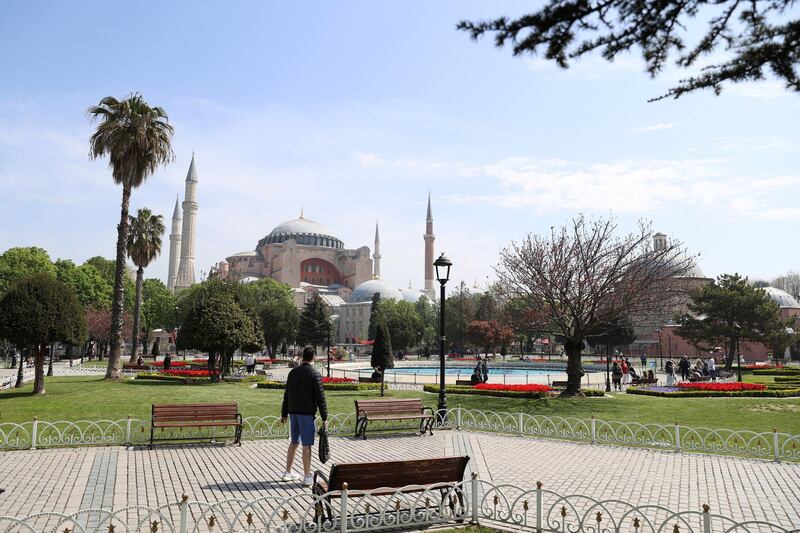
309	257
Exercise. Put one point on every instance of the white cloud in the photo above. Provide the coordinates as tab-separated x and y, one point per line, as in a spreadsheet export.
654	127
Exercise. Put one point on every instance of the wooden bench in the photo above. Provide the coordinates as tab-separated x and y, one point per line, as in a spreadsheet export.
556	384
362	379
131	366
464	382
381	410
195	415
441	474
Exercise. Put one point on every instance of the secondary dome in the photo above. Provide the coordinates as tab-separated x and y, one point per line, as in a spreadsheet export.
782	298
365	291
303	231
412	296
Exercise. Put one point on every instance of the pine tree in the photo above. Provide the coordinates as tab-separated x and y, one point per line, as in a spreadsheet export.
374	313
382	351
314	326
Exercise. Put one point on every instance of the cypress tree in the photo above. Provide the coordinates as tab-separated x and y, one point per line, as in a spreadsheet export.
374	313
382	351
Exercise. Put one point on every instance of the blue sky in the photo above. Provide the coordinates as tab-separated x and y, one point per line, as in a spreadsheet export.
356	110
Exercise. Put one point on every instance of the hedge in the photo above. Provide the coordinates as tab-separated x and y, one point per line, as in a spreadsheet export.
175	379
787	379
327	386
462	389
769	393
777	372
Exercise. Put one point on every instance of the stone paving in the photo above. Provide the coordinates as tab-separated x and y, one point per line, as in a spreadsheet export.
66	480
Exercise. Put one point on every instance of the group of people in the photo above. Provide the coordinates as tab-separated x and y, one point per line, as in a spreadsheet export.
689	372
481	373
624	373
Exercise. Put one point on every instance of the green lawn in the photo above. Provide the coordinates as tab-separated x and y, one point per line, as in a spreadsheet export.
74	398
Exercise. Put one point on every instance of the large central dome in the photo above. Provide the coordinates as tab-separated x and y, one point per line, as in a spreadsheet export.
303	231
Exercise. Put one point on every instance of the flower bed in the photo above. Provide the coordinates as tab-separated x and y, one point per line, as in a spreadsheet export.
716	386
504	393
173	363
186	373
766	391
513	388
338	380
328	386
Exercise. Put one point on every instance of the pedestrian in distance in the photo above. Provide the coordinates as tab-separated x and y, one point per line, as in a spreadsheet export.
302	398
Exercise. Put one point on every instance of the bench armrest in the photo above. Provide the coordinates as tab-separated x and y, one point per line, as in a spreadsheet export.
319	473
361	414
433	413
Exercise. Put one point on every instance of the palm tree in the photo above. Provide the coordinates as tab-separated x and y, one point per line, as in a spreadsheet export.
137	139
144	245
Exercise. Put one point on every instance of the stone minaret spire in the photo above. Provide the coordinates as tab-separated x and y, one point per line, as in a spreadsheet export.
429	238
174	246
186	268
376	257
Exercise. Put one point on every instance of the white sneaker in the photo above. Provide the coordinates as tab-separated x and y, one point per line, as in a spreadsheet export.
290	476
308	480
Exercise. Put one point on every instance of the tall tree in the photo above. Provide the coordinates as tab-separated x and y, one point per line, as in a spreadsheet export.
16	263
158	308
405	326
144	245
427	313
38	310
382	357
137	140
759	36
459	311
584	275
729	311
374	316
279	318
314	326
91	288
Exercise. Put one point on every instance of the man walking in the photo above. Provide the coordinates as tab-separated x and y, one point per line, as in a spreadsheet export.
683	366
301	399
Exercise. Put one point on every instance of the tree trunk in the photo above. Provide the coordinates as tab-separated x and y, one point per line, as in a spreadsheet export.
730	356
574	370
136	313
21	370
38	380
114	371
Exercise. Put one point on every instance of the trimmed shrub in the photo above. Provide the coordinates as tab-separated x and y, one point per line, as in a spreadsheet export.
788	371
787	379
328	386
461	389
186	380
676	393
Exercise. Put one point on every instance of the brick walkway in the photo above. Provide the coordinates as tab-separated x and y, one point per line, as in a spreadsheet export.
66	480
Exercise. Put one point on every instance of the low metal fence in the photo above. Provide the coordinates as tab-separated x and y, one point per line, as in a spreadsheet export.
775	444
475	501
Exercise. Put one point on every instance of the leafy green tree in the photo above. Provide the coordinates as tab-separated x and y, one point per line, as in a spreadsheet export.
314	327
280	319
91	288
382	357
137	140
613	334
216	323
459	311
728	311
428	316
374	316
759	36
144	245
16	263
158	308
405	326
38	310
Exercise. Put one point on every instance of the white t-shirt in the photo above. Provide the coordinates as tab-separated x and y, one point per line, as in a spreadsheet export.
711	364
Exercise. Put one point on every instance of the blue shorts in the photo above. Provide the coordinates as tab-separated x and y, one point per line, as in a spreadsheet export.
302	429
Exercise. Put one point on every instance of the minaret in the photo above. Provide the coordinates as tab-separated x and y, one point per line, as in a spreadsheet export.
186	268
174	246
376	257
429	238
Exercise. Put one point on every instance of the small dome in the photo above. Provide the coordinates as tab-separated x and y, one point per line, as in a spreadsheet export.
412	295
782	298
246	253
364	292
305	232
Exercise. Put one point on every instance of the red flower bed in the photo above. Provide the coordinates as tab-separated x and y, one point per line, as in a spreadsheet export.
338	380
517	388
174	363
187	373
761	367
705	385
267	360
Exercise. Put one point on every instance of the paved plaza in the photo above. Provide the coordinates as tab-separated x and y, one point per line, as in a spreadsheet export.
67	480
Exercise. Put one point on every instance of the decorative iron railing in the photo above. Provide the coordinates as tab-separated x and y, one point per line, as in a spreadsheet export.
475	501
774	444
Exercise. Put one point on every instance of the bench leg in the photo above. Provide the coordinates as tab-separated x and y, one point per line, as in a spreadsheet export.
152	429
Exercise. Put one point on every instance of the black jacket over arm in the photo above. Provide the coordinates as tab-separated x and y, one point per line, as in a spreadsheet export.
304	394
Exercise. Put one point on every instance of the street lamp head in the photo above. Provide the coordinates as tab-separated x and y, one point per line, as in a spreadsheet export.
442	265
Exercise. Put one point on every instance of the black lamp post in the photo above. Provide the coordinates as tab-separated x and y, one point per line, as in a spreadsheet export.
738	353
442	265
177	315
608	365
330	331
660	348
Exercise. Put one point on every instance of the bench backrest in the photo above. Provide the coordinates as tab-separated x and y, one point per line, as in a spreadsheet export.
389	407
368	476
187	412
